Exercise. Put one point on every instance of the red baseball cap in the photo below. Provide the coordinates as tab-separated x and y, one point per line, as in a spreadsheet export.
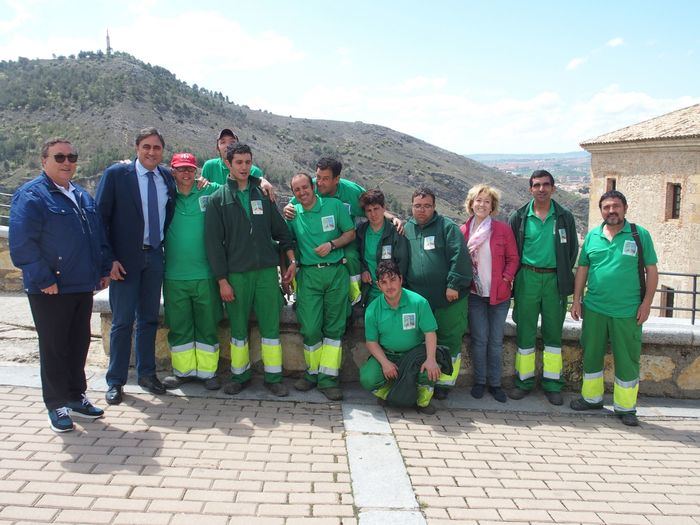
183	159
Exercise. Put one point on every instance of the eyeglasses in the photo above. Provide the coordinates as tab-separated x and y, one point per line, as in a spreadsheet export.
61	158
185	169
423	206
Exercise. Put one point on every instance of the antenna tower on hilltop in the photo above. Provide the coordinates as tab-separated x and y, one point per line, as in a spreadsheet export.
109	47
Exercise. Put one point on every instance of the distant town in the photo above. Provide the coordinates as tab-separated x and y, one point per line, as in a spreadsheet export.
571	169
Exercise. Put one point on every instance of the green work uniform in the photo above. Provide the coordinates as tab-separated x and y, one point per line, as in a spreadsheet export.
397	331
348	193
241	230
322	288
547	252
439	260
610	313
190	295
215	170
386	244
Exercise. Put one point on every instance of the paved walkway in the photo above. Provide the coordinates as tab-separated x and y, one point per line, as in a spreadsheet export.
192	457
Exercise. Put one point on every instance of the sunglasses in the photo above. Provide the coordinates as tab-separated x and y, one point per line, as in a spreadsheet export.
61	158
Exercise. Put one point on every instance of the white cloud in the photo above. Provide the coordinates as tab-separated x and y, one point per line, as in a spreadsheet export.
17	12
544	122
227	47
417	83
575	62
618	41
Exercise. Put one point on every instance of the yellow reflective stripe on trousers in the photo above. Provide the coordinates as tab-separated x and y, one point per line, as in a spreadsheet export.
331	357
551	362
383	391
450	380
271	355
593	387
240	359
184	360
625	395
354	290
525	363
425	394
312	356
207	359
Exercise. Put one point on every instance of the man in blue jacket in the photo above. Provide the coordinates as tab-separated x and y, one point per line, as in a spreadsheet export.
136	202
56	239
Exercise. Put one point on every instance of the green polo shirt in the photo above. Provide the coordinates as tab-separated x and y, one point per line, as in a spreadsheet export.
538	249
215	170
244	198
613	276
326	221
348	193
372	240
185	254
402	328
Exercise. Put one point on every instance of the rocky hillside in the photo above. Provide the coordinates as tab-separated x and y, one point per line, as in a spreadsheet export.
100	101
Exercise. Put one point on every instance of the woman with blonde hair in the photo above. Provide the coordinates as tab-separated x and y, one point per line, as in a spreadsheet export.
495	261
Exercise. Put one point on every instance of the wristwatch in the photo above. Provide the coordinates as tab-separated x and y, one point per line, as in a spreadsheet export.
333	246
293	261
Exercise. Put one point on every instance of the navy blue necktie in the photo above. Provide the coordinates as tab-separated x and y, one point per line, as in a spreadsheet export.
153	218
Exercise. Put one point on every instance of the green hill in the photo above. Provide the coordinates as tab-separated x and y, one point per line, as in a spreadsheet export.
99	102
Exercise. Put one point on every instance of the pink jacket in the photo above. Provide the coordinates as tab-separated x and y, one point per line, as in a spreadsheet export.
504	258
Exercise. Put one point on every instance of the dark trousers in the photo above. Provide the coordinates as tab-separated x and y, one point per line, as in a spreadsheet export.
62	322
136	298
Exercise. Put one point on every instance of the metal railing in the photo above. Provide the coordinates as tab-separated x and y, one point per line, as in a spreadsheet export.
694	292
5	199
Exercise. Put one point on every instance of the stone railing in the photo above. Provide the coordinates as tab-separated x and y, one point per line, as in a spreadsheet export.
670	361
10	277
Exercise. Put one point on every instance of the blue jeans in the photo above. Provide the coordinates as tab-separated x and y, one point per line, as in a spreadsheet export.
486	324
137	298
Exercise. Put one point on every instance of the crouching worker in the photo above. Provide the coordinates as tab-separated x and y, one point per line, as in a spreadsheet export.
400	331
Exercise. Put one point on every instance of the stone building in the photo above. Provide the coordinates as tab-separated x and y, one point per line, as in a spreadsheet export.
656	164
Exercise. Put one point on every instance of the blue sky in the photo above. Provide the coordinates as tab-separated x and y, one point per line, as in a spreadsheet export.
471	77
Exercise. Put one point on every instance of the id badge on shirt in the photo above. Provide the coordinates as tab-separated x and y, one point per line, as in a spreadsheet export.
386	251
328	223
347	205
409	321
429	243
562	235
256	207
629	248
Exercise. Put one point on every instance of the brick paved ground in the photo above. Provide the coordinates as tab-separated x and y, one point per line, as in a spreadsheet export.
177	460
173	460
476	467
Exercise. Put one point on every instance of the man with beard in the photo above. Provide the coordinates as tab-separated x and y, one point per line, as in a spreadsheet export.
614	258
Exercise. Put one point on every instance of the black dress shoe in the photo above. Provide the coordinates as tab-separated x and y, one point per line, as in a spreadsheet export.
114	395
152	384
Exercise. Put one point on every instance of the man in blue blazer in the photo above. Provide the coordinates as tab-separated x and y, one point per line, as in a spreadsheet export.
136	202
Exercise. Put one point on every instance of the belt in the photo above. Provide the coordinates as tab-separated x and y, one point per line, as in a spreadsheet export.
147	247
321	265
539	270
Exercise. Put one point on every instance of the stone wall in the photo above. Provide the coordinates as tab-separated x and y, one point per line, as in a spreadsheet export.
670	363
642	171
10	277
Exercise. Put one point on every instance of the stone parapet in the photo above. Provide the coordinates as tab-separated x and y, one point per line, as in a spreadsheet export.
670	361
10	277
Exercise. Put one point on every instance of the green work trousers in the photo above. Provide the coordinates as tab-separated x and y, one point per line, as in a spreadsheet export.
192	312
352	263
255	290
538	294
322	302
452	325
625	338
372	379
